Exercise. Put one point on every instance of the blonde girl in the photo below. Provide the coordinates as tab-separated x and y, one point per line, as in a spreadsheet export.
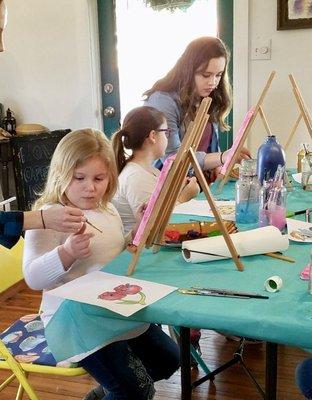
83	174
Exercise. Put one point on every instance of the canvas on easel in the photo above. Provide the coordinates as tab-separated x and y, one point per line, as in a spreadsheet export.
243	133
304	113
159	213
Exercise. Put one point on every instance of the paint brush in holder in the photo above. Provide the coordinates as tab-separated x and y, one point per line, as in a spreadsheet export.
272	210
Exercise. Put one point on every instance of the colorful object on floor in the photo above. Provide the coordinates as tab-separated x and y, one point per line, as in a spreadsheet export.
305	273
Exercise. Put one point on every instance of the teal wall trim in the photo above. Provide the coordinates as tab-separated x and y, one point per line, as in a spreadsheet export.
225	32
109	62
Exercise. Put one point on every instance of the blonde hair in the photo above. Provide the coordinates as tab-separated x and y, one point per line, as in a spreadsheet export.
74	149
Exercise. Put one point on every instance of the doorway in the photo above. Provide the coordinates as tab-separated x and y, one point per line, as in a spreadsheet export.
150	40
140	43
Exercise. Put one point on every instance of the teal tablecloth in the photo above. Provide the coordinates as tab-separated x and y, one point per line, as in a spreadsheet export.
285	318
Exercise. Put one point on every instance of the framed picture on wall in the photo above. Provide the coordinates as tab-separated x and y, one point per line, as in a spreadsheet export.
294	14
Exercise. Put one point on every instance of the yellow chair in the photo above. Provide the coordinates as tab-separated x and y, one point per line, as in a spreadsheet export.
21	370
27	337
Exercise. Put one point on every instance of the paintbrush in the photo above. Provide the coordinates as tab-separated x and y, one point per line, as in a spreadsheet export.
88	222
280	257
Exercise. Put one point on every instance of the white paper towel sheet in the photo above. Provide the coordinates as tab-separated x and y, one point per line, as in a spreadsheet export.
201	207
248	243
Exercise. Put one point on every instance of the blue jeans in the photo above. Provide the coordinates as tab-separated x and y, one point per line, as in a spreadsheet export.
128	369
304	378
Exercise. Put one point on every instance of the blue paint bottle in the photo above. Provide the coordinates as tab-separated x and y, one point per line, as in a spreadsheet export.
270	155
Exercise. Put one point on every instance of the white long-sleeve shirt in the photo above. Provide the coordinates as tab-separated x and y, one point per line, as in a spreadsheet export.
43	269
135	186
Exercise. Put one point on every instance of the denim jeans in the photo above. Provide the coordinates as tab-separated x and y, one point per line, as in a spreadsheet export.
304	378
128	369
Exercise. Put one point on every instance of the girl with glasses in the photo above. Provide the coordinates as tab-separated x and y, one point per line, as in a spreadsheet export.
141	141
200	72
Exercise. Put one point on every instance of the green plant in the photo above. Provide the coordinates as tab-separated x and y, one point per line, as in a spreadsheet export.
171	5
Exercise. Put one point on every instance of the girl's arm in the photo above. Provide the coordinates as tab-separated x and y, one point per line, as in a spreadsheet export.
42	266
139	190
214	160
48	255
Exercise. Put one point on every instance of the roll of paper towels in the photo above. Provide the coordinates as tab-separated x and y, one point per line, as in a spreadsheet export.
248	243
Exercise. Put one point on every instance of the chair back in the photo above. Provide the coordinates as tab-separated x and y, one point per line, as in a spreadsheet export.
31	160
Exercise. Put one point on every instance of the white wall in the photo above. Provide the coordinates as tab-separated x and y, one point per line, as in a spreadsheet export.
47	73
291	53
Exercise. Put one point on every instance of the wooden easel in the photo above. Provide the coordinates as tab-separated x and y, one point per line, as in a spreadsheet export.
168	195
303	112
257	109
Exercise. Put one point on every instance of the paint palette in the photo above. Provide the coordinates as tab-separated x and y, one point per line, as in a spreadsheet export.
299	231
175	234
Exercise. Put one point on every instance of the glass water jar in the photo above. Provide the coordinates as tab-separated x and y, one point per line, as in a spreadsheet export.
247	196
306	170
272	208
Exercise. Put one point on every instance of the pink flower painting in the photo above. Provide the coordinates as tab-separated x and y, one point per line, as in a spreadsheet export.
122	291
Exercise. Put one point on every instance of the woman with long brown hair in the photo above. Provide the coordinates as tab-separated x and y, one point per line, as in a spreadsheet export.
201	71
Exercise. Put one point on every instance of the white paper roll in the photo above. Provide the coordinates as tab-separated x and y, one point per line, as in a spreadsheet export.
248	243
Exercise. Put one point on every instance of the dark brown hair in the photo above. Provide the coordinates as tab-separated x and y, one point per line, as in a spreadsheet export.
180	79
137	125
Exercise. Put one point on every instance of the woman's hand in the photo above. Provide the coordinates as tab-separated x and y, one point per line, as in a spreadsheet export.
244	154
190	190
63	219
76	246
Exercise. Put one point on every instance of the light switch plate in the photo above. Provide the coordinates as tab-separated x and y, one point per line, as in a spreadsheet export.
261	50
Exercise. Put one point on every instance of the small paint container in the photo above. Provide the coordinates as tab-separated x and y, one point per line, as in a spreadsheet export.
273	284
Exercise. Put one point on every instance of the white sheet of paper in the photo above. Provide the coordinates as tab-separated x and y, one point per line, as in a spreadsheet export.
293	225
247	243
297	177
88	288
202	208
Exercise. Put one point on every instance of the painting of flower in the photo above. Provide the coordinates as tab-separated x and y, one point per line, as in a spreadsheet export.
117	293
121	291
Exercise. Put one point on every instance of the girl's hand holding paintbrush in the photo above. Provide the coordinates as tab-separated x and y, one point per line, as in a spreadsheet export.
76	246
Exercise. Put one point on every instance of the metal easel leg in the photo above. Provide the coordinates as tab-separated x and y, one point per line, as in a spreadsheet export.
237	358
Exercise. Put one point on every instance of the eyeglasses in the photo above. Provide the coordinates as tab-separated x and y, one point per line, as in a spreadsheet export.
166	130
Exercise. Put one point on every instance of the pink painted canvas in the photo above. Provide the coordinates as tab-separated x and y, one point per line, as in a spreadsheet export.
237	140
151	203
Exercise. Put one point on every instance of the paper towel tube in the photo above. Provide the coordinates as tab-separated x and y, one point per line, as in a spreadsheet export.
257	241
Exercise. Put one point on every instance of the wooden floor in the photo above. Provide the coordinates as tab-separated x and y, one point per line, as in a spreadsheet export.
232	384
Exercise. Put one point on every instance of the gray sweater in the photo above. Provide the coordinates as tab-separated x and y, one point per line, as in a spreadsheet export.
168	103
